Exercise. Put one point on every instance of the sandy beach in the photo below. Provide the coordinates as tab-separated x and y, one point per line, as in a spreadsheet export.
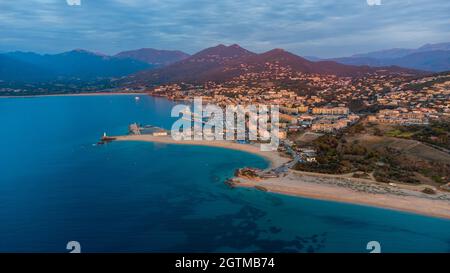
273	157
355	191
339	188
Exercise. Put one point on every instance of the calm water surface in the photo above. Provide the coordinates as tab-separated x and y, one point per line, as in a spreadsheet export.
56	186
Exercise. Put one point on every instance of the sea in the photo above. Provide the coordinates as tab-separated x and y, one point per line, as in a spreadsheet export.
57	185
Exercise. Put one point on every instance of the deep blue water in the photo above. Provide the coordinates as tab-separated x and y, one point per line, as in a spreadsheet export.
55	186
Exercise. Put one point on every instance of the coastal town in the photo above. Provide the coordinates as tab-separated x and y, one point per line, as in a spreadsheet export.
320	115
283	175
226	136
382	127
336	102
317	109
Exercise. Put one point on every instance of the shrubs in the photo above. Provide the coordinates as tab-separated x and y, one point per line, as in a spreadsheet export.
437	133
338	154
394	173
429	191
356	129
377	132
361	175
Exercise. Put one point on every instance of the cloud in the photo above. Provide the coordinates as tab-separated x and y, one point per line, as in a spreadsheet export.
308	27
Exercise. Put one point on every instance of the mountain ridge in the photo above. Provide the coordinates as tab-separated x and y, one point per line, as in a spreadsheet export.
82	64
430	57
154	56
217	63
221	63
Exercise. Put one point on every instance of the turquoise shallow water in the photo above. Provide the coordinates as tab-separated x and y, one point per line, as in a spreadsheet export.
55	186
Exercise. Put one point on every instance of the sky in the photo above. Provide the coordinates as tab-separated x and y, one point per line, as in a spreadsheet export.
323	28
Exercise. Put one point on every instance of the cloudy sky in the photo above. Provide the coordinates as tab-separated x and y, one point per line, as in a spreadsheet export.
325	28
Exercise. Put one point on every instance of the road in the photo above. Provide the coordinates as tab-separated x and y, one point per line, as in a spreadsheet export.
286	166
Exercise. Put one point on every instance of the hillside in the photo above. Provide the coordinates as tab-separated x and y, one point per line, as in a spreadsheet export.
154	56
223	63
81	64
430	57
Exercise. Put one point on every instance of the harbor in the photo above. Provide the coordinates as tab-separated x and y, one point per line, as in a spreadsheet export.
136	129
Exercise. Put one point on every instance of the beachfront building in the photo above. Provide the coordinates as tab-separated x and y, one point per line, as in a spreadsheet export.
308	154
288	118
329	125
152	130
330	111
289	110
306	120
399	117
303	109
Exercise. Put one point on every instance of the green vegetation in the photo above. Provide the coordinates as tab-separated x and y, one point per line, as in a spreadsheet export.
361	175
246	172
437	133
399	133
336	155
429	191
345	153
65	86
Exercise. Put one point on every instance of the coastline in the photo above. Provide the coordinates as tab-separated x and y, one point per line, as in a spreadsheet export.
79	94
273	157
324	186
352	191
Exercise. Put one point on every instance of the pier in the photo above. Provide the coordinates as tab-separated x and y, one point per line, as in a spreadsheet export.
105	139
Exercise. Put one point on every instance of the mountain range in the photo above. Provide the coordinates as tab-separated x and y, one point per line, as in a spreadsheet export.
154	56
81	64
430	57
221	63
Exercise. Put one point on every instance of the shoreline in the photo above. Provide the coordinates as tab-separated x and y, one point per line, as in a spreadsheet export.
273	157
324	186
78	94
352	191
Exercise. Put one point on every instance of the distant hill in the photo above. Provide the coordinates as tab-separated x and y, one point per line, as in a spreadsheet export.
154	56
434	47
437	61
385	54
312	58
221	63
12	69
27	66
198	67
430	57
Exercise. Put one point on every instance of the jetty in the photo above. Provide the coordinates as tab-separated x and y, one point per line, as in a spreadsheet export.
105	139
